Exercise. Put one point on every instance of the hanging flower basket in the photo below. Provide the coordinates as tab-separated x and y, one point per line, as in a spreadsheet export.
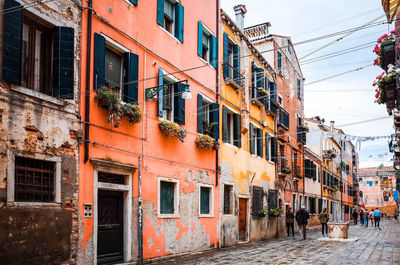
133	113
386	92
385	49
109	100
169	128
206	142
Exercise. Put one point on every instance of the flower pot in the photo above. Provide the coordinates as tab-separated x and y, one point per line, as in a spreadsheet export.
388	54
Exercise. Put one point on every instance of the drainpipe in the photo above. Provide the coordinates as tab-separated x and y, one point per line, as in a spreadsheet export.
341	183
304	180
87	89
140	230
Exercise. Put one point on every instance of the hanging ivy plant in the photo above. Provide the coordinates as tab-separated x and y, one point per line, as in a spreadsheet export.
172	129
133	113
206	142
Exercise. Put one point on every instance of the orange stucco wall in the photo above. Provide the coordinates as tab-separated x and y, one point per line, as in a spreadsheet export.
135	28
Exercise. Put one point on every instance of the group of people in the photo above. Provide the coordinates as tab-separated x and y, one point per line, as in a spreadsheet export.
302	217
365	216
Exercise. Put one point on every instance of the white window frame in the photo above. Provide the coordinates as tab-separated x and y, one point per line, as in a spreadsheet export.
170	78
269	143
255	126
206	109
232	198
279	96
230	131
11	179
211	187
176	198
209	33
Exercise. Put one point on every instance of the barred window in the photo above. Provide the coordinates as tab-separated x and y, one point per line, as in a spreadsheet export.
34	180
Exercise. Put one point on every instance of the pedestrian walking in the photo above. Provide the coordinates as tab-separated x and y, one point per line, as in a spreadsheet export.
324	218
361	217
395	215
377	217
290	222
355	216
366	219
302	219
371	217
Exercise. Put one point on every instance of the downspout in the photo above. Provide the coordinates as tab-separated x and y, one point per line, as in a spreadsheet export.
87	88
276	169
341	184
140	230
216	151
304	181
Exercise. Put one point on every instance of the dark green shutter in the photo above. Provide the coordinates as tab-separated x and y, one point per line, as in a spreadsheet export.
214	117
274	150
253	80
200	39
236	63
319	206
99	61
131	65
200	111
224	124
260	78
307	168
226	55
134	2
63	62
160	12
266	99
237	130
12	42
179	15
260	138
252	140
179	104
167	197
160	92
279	60
204	200
298	88
266	146
214	51
272	88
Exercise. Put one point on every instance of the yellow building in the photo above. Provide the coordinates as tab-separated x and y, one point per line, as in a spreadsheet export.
248	149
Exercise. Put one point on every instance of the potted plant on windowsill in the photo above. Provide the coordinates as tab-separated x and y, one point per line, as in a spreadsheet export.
335	187
206	142
169	128
109	100
261	213
133	113
385	49
275	212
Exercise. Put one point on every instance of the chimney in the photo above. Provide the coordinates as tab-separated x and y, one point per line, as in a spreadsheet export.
240	11
332	126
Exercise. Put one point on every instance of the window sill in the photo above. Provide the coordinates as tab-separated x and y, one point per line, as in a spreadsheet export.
271	162
33	204
256	156
206	215
168	216
231	145
204	61
38	95
178	41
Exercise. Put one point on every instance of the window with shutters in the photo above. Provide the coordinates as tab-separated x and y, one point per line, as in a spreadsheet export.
228	199
168	100
36	56
257	200
168	197
268	147
231	127
256	140
298	87
279	55
170	14
113	69
206	200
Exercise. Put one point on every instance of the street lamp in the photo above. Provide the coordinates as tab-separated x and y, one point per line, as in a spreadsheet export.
186	92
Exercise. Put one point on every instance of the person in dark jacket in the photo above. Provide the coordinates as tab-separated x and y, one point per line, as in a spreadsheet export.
302	219
324	218
290	222
355	216
361	217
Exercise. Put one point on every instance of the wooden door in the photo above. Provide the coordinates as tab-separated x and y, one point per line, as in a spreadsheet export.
242	219
110	227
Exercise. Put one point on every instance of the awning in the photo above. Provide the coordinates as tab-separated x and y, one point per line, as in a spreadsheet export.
391	8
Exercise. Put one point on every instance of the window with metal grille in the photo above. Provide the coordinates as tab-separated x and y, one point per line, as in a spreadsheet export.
258	200
34	180
111	178
227	199
205	200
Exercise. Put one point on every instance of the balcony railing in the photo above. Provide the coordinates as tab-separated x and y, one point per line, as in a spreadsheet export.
301	135
283	119
273	107
233	76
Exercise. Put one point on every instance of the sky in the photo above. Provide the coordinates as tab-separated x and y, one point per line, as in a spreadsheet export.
346	99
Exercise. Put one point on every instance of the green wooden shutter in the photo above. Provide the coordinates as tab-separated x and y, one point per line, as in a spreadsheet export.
160	93
266	99
236	63
298	88
214	51
267	146
279	60
252	140
253	80
12	42
272	89
131	65
224	124
260	78
63	62
200	111
179	104
167	194
204	200
214	117
99	61
135	2
226	55
306	168
274	150
237	130
160	12
179	15
200	39
260	141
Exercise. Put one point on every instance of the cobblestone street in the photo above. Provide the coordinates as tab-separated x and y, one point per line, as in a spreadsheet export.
373	247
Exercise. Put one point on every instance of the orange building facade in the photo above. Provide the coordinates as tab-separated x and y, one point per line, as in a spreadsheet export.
148	145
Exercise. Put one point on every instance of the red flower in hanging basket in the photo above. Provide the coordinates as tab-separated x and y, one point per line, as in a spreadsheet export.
376	49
